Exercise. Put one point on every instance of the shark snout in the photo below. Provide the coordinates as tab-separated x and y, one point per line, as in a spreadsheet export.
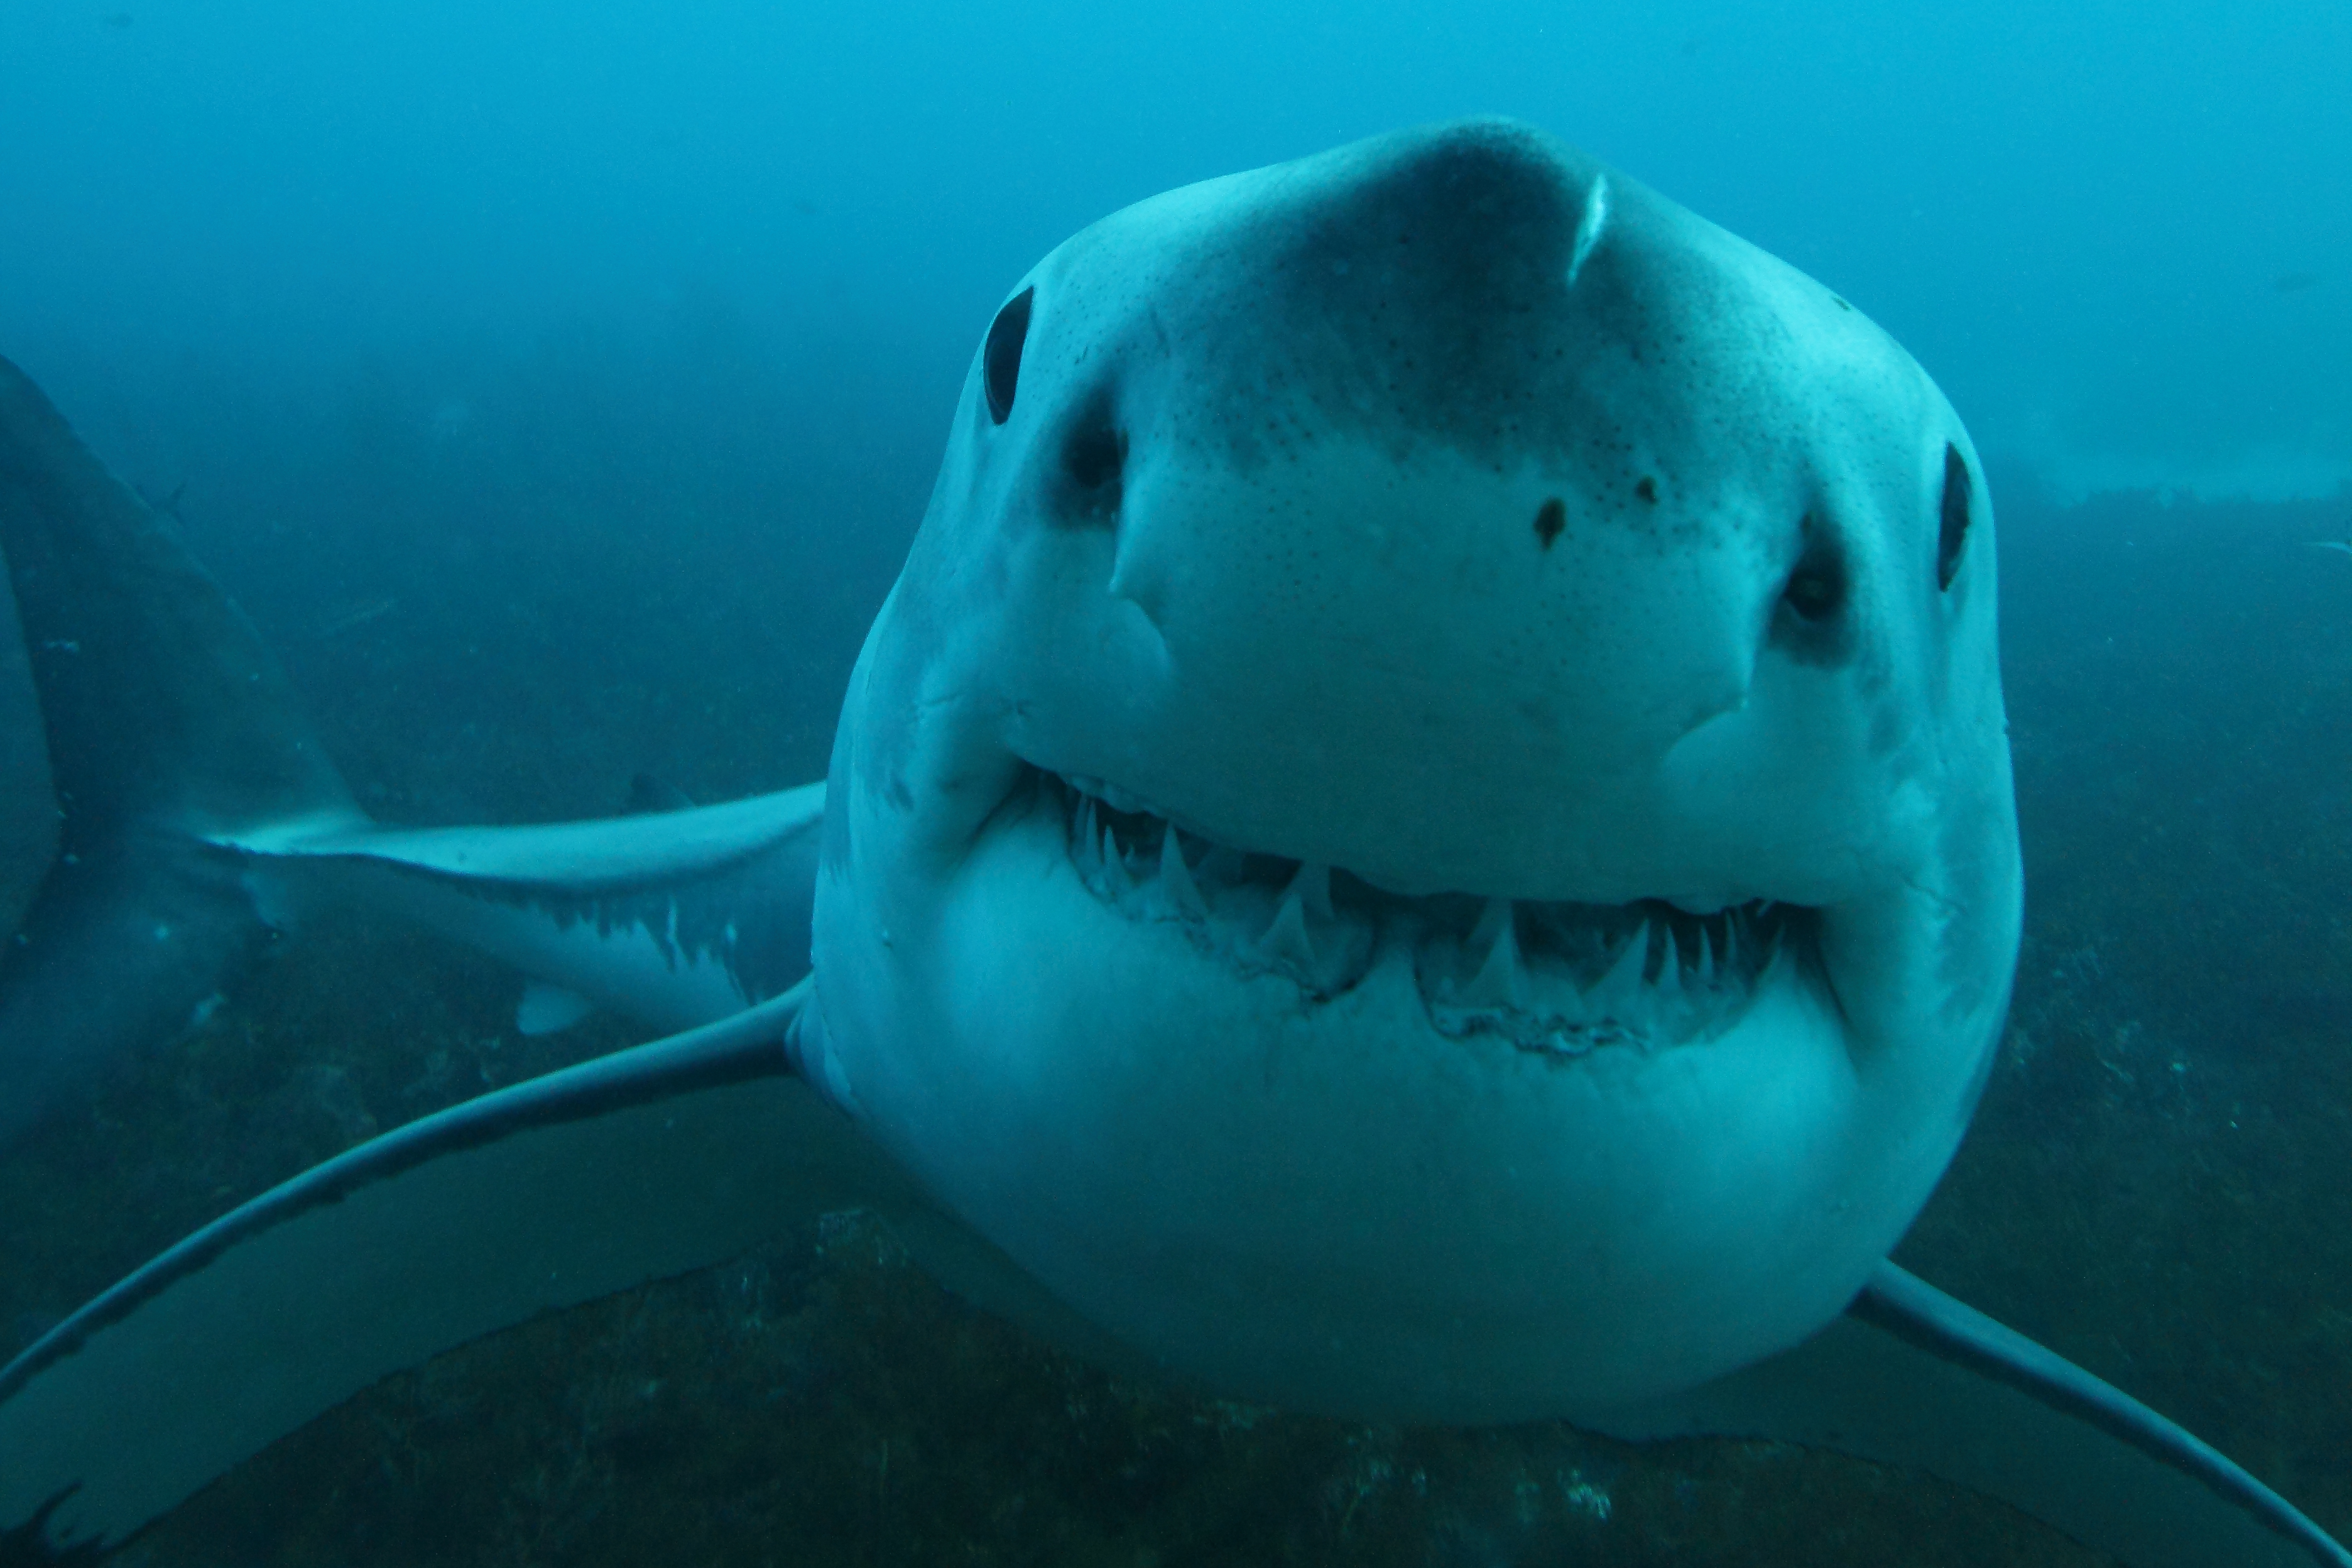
1451	242
1460	285
1430	511
1400	671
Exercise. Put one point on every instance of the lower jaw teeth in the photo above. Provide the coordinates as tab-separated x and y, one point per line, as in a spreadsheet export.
1552	979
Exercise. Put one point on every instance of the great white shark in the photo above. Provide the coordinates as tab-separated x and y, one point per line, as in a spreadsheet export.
1425	834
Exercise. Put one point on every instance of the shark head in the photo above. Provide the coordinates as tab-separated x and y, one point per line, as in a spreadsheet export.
1427	830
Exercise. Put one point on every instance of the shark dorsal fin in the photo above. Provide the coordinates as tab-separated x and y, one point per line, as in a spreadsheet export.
160	701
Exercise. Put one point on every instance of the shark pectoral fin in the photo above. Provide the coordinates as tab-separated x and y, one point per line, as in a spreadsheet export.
637	1167
548	1009
1910	1376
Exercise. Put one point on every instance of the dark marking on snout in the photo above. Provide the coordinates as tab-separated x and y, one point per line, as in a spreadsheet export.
1426	298
1550	518
1647	489
1813	623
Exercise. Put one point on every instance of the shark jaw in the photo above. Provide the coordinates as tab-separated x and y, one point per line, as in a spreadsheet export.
1447	1157
1558	978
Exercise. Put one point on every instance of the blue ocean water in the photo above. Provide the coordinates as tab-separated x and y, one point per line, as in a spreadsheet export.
558	388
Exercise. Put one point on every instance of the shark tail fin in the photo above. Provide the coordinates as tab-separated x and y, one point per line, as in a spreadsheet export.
160	704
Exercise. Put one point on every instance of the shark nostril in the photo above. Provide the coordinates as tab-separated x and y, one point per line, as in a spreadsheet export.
1000	358
1953	522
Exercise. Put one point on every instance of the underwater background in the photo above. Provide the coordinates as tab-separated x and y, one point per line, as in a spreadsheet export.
557	388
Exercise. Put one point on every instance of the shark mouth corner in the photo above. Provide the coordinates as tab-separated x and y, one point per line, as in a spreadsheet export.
1553	978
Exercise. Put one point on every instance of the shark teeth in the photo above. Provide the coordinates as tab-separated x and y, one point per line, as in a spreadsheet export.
1497	983
1176	879
1285	940
1557	979
1621	985
1644	974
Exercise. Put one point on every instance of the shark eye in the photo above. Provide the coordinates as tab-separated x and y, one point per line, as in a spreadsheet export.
1816	590
1954	533
999	362
1810	623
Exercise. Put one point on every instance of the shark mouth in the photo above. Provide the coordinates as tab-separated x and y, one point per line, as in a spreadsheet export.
1556	978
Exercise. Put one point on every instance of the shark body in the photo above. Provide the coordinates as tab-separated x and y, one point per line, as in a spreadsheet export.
1426	833
152	758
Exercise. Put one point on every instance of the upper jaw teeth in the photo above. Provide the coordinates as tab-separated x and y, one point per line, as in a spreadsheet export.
1229	899
1110	795
1557	978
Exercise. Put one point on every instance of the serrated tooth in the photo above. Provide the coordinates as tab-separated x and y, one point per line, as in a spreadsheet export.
1706	958
1312	883
1670	971
1622	985
1497	983
1112	859
1176	879
1286	937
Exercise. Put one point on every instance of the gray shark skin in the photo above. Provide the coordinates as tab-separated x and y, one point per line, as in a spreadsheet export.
1426	833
